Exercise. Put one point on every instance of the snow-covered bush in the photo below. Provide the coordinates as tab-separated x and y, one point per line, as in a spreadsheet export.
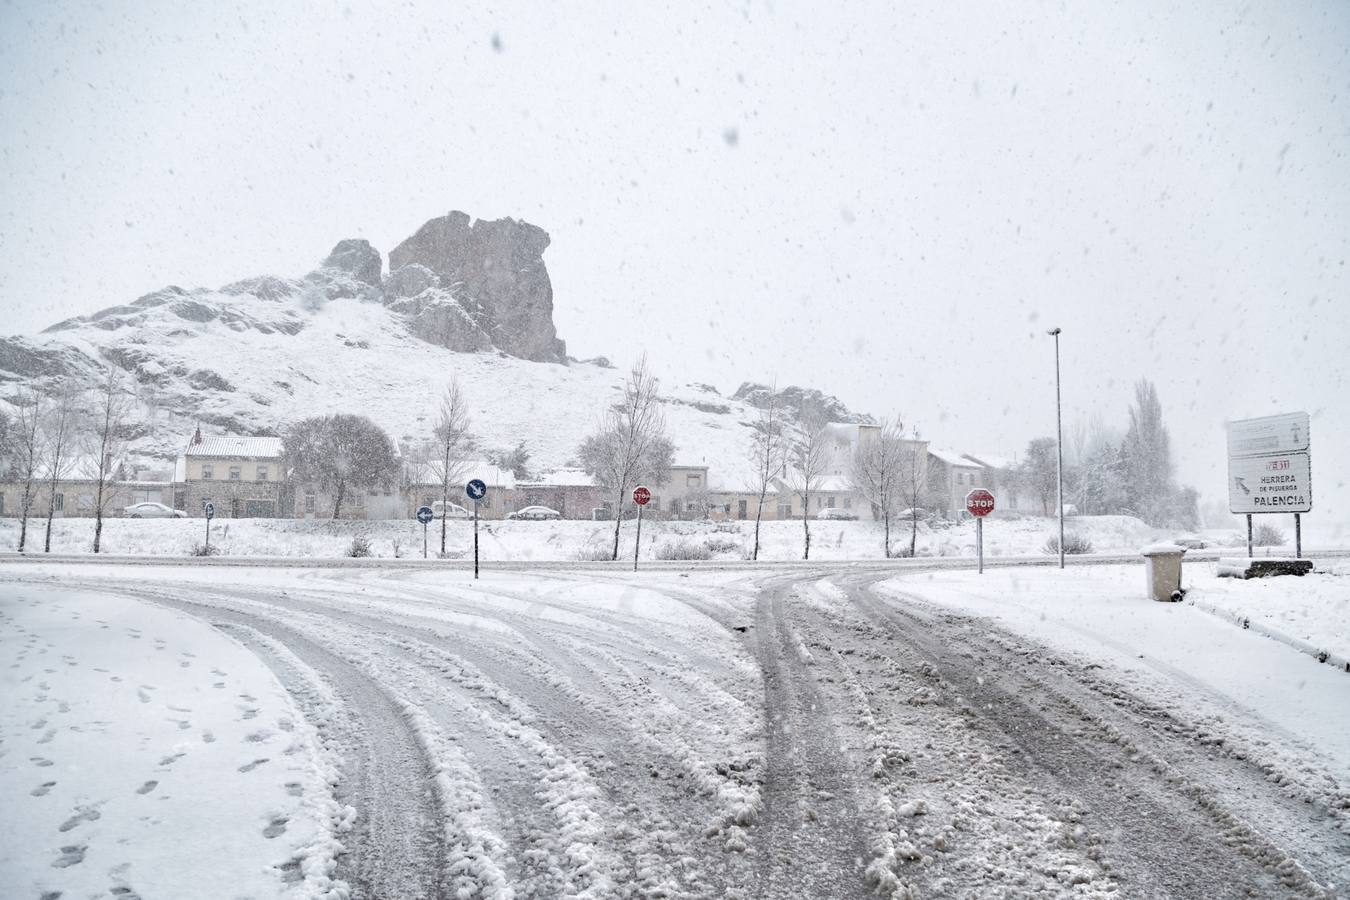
360	547
1267	535
719	544
594	554
1073	543
206	550
683	549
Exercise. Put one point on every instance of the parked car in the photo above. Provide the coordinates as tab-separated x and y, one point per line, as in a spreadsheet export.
452	510
535	513
152	510
1189	541
912	513
836	512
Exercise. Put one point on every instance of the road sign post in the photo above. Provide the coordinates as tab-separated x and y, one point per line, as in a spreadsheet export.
979	503
425	515
641	496
209	509
477	490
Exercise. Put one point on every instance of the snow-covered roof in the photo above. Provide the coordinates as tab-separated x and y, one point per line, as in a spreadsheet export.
834	483
991	462
231	445
952	458
492	476
564	478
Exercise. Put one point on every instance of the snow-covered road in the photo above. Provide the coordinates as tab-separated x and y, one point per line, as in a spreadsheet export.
583	733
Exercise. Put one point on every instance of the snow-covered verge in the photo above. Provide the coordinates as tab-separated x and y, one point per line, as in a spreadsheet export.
143	753
566	541
1314	609
1238	683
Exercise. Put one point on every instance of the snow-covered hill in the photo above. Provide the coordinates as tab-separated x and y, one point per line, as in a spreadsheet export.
255	355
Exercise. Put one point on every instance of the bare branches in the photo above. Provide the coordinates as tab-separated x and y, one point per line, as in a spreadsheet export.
808	457
111	409
452	443
876	472
767	448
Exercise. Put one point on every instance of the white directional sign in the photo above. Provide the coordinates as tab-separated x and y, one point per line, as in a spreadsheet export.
1273	483
1268	434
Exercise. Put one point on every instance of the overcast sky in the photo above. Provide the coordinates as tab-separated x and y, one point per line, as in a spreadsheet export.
891	202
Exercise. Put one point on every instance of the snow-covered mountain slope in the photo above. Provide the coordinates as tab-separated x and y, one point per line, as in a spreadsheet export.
253	356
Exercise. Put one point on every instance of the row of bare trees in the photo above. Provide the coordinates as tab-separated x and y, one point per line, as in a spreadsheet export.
63	433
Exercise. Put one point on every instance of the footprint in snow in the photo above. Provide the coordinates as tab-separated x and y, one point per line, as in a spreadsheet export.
147	787
294	788
249	767
218	673
122	892
275	828
70	856
250	714
208	737
142	695
40	762
50	895
42	789
82	814
40	723
170	760
47	736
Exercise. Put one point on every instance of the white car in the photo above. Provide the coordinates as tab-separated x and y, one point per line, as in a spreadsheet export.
452	510
152	510
535	513
836	512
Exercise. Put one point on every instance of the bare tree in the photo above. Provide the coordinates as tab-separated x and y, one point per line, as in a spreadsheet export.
914	482
60	434
767	447
28	448
111	406
876	471
452	442
808	457
630	445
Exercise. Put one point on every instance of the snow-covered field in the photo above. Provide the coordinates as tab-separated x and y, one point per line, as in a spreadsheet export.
830	731
566	541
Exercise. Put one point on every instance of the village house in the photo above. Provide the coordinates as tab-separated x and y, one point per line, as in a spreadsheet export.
951	477
242	477
422	487
572	492
77	492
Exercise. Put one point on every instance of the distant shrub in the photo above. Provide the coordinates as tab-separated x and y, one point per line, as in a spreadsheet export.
1267	535
682	550
1073	543
204	550
360	547
594	554
900	551
718	544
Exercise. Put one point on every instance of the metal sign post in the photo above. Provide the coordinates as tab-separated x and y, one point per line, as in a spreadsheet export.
477	490
209	509
641	496
425	515
979	503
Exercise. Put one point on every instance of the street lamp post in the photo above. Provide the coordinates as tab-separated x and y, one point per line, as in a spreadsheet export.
1059	448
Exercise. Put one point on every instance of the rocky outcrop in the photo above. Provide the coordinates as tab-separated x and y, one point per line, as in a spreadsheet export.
496	270
358	259
804	404
437	317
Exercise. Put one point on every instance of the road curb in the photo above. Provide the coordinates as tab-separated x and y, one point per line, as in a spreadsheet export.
1246	622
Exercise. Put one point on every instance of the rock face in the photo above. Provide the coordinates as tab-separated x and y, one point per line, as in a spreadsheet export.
495	273
358	259
803	404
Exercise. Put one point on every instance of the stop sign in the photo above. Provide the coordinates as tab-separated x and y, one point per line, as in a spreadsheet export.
979	502
641	496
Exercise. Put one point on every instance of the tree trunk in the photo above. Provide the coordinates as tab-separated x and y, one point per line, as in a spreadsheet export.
618	520
913	534
51	511
887	519
445	508
337	500
27	505
806	526
759	512
98	517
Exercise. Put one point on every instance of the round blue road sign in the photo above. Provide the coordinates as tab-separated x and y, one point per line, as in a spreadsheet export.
476	489
425	515
209	509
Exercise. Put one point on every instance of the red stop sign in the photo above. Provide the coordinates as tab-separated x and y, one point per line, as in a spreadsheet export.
979	502
641	496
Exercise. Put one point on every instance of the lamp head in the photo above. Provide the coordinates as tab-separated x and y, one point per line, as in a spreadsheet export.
1053	331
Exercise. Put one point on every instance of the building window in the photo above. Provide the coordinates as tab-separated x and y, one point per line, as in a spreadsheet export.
85	502
60	501
236	473
208	472
785	510
848	503
262	473
309	503
693	481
